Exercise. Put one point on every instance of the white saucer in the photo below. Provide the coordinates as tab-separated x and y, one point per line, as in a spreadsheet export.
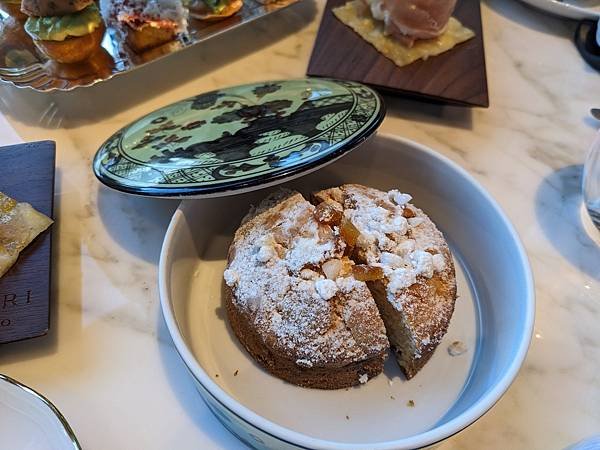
28	420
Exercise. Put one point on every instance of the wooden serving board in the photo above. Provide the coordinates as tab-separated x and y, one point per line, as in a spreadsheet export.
455	77
27	175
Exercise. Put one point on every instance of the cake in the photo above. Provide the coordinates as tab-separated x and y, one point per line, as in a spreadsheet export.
316	291
417	292
306	327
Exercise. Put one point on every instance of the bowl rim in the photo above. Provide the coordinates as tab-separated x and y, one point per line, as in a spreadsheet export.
49	408
426	438
567	10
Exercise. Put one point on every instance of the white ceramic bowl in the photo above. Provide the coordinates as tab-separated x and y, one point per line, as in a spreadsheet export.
493	318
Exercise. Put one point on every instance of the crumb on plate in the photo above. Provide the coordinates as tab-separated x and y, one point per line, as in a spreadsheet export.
457	348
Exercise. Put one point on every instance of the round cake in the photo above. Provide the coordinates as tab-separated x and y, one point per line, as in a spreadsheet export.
315	289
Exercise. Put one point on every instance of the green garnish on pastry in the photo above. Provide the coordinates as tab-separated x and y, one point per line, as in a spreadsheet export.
217	6
59	28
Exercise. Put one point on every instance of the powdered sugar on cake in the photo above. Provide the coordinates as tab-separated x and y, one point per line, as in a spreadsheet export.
403	247
275	275
326	288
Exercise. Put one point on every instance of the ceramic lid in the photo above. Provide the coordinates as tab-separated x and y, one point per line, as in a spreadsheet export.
239	139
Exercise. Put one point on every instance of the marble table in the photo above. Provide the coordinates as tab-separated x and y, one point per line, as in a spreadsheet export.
109	363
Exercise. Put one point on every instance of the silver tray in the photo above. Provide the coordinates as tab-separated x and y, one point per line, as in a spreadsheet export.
36	72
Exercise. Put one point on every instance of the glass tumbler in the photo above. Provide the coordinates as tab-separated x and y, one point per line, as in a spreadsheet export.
591	182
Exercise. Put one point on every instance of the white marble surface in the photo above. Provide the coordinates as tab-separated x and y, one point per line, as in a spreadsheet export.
109	363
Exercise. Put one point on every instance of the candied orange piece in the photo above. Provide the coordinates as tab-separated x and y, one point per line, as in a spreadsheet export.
362	272
327	214
408	213
349	232
346	268
325	233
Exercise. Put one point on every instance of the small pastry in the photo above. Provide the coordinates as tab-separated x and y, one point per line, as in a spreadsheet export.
405	31
213	10
149	24
65	31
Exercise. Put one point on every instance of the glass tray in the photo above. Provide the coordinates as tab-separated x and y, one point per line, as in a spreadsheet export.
33	70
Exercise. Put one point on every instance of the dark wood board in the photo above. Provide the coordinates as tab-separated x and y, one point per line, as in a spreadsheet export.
455	77
27	175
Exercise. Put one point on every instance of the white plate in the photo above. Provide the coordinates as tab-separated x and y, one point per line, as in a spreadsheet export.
30	421
572	9
493	317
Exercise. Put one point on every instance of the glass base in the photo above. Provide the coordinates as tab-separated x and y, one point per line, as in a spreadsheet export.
592	229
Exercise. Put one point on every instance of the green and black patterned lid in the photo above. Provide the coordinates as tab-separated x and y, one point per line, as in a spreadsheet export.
239	139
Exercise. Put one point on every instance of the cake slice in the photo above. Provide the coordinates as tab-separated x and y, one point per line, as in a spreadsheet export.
409	266
293	301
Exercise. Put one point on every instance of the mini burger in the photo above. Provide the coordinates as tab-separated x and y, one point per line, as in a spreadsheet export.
213	9
67	31
149	23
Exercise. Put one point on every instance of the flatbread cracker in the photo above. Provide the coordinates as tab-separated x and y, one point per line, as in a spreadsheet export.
20	223
353	15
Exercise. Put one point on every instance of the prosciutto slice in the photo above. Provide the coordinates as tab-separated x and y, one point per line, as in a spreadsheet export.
409	20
